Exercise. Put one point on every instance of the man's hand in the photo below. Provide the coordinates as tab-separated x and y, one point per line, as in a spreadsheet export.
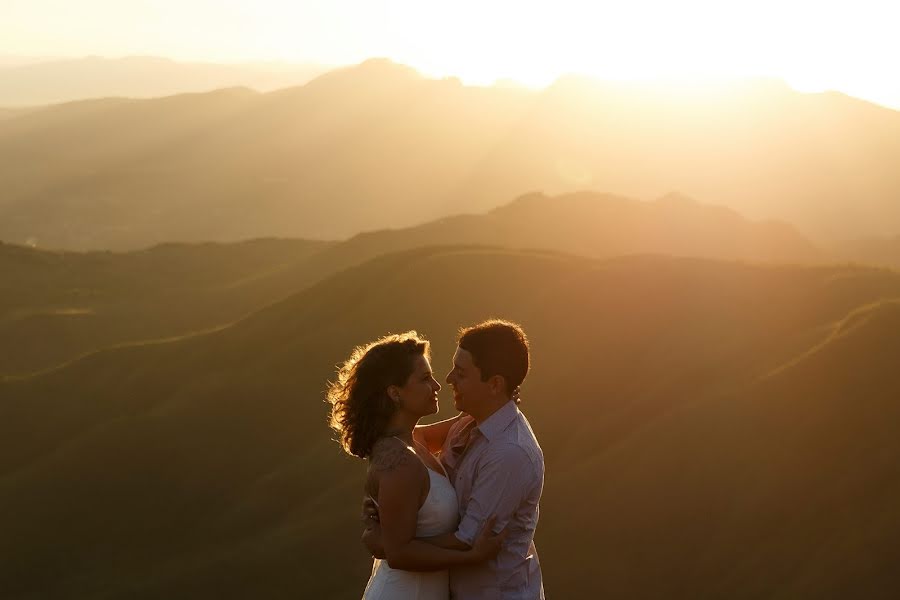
371	537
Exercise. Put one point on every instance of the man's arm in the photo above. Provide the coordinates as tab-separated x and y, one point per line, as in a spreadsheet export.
448	541
434	435
486	546
371	537
504	478
400	475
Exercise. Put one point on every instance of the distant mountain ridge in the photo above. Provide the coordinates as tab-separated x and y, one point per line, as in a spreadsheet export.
377	146
66	80
55	306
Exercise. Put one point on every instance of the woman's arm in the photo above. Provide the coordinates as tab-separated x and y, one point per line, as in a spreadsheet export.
400	474
433	436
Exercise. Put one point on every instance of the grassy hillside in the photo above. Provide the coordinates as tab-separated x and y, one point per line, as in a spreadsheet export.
711	429
871	251
55	306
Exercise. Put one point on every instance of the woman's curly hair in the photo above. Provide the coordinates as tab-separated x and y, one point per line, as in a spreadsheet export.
360	405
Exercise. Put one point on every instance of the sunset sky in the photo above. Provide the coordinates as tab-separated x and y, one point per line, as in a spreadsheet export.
848	46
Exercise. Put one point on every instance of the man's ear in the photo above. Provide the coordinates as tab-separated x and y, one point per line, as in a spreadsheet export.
497	383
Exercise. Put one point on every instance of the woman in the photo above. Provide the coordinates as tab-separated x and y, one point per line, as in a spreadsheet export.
381	392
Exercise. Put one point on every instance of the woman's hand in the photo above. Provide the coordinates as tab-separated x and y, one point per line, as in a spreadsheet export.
369	511
371	537
487	545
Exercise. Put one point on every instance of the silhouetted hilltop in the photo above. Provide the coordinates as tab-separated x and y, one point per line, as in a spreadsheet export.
377	145
873	251
6	113
766	150
684	458
57	305
53	81
603	225
324	158
372	72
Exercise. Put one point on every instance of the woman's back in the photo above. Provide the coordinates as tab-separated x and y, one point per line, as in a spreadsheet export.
438	515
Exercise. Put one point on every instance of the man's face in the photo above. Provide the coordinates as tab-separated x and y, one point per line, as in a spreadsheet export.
465	379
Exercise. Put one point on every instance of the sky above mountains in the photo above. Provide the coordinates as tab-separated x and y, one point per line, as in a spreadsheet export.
814	46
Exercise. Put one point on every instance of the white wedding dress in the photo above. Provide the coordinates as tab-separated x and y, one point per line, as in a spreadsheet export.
437	516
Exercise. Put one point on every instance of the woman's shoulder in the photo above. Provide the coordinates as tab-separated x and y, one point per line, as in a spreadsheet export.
390	455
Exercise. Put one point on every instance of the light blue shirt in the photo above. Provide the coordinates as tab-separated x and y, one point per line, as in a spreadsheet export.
501	472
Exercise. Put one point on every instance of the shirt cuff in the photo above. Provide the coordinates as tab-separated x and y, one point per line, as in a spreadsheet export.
467	531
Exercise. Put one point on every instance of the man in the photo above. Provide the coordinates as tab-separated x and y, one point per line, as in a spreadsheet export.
494	462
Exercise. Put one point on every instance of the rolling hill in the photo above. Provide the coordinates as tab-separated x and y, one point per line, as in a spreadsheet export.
711	429
55	306
883	251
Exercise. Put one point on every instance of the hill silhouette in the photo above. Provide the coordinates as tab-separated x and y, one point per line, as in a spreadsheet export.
58	305
884	251
702	433
603	225
65	80
378	145
55	306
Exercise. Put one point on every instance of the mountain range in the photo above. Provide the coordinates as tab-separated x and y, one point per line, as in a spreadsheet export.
714	385
58	305
52	81
379	146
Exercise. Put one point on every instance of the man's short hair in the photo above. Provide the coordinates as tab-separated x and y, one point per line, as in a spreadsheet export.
497	347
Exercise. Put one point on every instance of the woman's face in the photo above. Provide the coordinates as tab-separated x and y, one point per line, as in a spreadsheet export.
419	394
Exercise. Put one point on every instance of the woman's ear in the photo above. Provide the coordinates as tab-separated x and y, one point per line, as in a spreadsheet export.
393	393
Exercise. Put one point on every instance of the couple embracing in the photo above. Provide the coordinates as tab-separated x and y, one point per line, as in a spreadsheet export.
451	507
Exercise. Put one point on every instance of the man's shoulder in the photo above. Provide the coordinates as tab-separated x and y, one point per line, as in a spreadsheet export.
525	435
514	450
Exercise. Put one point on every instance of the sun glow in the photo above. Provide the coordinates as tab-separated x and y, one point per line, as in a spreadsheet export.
812	45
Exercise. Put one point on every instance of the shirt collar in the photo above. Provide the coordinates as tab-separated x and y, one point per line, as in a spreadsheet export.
499	421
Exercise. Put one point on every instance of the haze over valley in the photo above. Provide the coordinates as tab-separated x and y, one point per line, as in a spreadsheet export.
707	272
378	145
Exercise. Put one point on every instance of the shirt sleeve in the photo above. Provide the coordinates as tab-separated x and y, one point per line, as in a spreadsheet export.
502	481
